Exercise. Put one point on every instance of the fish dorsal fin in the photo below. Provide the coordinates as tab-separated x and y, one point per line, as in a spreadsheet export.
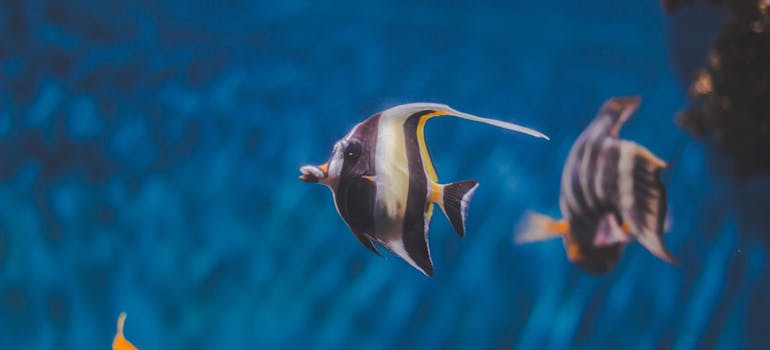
120	342
436	109
618	110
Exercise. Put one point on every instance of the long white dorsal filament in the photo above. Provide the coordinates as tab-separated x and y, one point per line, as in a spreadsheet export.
498	123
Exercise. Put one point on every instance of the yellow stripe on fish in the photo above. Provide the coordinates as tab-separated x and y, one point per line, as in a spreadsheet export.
384	181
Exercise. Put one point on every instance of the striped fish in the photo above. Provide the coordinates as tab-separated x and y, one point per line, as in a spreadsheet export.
611	194
384	183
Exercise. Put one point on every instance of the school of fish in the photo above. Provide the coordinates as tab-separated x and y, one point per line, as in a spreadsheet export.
384	187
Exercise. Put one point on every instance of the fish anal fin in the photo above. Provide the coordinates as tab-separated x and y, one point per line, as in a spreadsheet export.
414	252
654	244
538	227
454	199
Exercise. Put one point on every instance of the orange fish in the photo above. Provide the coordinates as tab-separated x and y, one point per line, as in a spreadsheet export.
120	342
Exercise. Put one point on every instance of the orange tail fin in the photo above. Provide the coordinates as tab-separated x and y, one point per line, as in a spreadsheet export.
537	227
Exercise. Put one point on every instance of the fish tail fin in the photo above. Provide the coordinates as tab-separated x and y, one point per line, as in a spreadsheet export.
537	227
454	199
120	342
643	198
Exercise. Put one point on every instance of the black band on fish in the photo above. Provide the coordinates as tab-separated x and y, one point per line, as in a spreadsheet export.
415	235
382	177
457	197
611	193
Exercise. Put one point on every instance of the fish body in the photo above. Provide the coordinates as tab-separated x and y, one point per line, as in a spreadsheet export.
611	194
384	183
120	342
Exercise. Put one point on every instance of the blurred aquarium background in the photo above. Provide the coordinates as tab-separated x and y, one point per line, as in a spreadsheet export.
149	154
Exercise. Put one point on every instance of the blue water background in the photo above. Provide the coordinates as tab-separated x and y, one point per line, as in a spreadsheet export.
149	154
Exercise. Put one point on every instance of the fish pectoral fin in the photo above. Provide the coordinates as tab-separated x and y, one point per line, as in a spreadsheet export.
367	242
454	199
371	179
610	232
538	227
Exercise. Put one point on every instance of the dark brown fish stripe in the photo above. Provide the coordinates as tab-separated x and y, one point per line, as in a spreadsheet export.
610	155
580	205
592	146
415	242
586	210
369	137
356	196
649	191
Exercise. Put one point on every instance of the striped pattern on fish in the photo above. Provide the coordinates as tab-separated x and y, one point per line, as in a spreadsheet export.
611	194
385	185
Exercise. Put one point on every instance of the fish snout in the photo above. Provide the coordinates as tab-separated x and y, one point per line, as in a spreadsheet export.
313	174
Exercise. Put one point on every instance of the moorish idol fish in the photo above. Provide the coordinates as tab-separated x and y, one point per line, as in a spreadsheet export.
120	342
384	183
611	194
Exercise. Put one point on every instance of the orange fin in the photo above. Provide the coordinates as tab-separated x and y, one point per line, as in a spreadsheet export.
574	252
625	228
120	342
537	227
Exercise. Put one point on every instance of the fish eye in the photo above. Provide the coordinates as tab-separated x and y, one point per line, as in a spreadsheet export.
353	150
